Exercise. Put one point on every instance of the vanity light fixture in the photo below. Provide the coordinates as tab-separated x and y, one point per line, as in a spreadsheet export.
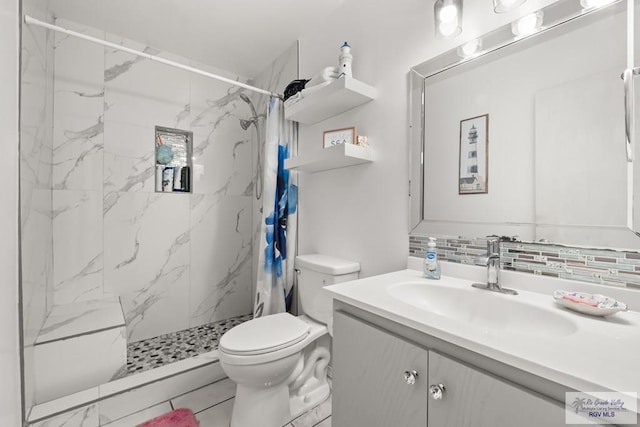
528	24
592	4
470	48
448	18
501	6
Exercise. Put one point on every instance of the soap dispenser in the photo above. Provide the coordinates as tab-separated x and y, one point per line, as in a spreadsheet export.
431	262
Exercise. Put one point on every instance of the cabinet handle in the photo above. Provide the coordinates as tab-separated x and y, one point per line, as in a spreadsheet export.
436	391
410	377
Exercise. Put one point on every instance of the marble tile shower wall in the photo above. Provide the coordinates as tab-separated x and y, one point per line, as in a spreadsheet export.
175	260
601	266
35	182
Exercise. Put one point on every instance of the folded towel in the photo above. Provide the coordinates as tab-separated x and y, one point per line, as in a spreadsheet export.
293	99
325	75
307	90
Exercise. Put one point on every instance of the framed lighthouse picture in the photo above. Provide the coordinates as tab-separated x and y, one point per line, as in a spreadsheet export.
474	155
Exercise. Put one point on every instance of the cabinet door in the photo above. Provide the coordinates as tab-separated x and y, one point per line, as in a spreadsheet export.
475	399
369	387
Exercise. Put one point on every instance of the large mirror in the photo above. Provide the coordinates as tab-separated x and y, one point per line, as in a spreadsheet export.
526	137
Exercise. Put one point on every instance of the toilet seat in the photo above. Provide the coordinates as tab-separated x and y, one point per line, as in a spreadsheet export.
315	330
264	335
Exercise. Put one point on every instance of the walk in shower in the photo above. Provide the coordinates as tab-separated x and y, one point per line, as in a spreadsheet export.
159	273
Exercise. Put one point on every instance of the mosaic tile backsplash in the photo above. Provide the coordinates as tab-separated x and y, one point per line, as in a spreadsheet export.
601	266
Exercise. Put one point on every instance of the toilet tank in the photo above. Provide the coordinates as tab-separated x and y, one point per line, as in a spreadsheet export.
315	271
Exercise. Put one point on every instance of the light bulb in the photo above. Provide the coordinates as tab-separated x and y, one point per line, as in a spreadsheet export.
448	29
527	24
592	4
448	18
448	13
469	48
500	6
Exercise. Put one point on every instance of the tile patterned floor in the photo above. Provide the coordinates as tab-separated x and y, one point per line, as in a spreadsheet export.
169	348
212	405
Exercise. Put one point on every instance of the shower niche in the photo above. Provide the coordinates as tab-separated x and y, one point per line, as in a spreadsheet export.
173	148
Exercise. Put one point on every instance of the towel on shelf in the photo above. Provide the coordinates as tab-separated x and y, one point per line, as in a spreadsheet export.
304	92
293	99
307	90
325	75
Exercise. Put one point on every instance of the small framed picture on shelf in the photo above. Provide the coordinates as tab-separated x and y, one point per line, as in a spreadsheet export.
334	137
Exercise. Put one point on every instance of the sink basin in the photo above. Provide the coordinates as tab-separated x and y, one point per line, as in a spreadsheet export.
484	309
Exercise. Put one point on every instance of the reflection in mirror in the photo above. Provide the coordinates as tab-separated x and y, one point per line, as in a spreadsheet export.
556	168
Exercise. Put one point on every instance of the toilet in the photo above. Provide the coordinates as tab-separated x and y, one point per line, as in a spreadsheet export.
279	362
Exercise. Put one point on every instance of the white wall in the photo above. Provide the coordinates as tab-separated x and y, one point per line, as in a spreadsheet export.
361	212
10	413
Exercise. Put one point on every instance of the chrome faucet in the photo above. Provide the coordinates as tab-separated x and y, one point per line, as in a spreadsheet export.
493	268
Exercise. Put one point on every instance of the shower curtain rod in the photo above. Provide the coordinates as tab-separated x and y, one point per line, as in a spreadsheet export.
33	21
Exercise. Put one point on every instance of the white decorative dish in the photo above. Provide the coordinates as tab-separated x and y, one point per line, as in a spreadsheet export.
593	304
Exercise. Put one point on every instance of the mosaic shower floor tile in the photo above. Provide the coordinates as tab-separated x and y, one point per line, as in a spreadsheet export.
158	351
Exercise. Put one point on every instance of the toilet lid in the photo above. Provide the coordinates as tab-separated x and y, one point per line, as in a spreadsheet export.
264	334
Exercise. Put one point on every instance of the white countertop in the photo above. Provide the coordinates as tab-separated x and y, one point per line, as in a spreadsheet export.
603	354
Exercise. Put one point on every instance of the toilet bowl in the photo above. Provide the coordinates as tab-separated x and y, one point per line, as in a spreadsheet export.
279	361
272	384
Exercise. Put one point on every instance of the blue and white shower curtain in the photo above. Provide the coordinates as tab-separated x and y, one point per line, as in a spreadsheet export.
279	205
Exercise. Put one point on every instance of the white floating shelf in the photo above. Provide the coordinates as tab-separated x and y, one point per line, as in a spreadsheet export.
337	97
340	156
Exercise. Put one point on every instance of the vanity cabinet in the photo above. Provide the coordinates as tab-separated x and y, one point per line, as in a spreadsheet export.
474	398
381	379
369	387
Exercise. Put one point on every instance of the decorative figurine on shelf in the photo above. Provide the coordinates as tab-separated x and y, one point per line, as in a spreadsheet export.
362	141
344	61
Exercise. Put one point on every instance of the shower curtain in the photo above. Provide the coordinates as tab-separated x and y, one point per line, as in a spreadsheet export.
279	204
